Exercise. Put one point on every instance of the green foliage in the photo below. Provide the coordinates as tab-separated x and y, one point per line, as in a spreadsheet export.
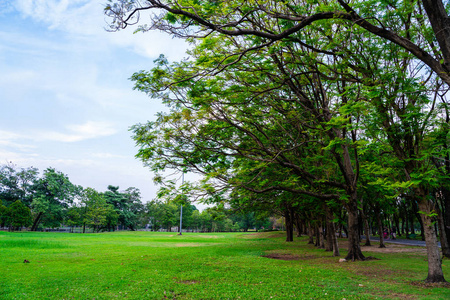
17	184
19	215
98	213
53	194
126	204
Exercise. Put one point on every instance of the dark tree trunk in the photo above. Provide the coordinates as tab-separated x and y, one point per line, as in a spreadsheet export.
298	225
345	231
411	224
440	23
36	222
288	219
354	249
397	224
380	228
406	229
310	234
330	230
321	236
317	234
404	226
366	226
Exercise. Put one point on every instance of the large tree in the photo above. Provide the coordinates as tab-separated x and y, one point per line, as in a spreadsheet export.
319	62
127	205
53	193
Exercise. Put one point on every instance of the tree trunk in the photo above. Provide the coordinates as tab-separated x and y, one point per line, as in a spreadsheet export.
446	212
366	226
288	219
335	241
435	273
411	223
443	235
354	249
321	236
397	224
310	234
440	23
36	222
380	229
330	230
317	233
406	229
298	225
404	225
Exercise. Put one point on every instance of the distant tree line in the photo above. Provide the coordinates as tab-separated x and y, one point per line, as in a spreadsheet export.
166	215
49	200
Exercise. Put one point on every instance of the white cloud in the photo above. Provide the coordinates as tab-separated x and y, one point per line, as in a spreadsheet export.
85	18
17	146
79	132
76	133
8	136
108	155
23	159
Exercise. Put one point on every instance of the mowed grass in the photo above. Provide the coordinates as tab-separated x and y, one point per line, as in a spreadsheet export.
147	265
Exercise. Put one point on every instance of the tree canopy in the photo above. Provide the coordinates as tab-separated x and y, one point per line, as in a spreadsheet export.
301	100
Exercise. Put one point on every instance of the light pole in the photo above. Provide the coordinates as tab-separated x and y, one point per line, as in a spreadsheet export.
181	210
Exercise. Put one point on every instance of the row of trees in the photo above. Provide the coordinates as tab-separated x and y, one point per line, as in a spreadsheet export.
48	200
166	215
305	108
51	201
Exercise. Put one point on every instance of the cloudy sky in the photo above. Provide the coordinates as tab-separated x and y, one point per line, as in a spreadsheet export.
66	101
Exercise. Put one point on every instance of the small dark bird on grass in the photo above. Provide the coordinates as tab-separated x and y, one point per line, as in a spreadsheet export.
26	261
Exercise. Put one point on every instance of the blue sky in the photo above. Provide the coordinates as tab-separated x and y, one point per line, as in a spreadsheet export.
66	101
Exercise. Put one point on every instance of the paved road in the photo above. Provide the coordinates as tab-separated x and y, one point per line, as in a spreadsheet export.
400	241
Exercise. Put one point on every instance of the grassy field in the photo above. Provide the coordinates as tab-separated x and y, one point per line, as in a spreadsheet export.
146	265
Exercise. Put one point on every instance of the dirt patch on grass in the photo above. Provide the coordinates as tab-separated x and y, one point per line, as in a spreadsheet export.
264	235
402	296
188	282
390	248
288	256
187	245
424	284
394	248
276	235
209	236
282	256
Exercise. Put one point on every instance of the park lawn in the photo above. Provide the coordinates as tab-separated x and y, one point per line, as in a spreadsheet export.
155	265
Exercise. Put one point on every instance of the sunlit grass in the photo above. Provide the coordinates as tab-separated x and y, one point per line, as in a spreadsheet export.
144	265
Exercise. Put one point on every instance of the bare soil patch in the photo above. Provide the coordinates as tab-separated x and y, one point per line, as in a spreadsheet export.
276	235
424	284
188	282
282	256
187	245
288	256
390	248
395	248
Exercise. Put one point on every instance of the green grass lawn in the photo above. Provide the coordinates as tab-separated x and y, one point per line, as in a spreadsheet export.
147	265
